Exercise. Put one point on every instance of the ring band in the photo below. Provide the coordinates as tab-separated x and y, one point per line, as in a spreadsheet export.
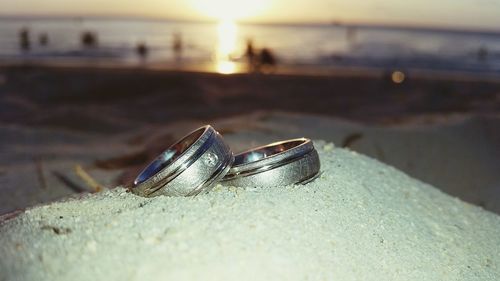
188	167
281	163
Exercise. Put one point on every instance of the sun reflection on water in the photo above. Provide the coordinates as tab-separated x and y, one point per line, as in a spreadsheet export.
227	32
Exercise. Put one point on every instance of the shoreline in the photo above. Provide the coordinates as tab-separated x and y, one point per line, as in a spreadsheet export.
45	95
241	69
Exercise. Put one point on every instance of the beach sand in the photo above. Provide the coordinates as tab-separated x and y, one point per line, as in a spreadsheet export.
460	155
441	129
361	220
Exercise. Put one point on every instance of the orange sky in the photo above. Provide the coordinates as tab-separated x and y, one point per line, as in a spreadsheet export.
445	13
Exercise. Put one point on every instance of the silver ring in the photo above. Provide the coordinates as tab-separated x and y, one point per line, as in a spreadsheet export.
188	167
281	163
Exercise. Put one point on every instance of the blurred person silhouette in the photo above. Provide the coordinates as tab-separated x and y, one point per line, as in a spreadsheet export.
482	54
267	60
43	39
88	39
24	39
142	50
250	54
177	45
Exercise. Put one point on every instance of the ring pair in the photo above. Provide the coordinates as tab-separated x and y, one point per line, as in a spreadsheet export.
202	158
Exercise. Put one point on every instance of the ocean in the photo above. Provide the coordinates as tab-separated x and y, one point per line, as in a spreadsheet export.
320	46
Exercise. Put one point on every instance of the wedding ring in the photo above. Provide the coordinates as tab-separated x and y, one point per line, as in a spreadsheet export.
277	164
190	166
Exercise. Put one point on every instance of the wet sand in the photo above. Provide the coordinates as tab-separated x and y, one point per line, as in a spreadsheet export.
117	99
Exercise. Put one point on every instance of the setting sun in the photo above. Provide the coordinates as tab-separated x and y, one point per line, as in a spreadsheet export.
224	10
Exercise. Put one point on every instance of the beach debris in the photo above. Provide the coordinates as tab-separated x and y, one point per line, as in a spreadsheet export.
57	230
68	182
89	180
350	139
39	171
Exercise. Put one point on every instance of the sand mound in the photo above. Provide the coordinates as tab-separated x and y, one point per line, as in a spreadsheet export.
458	154
361	220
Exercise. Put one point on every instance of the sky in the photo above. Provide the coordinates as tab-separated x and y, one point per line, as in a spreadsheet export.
473	14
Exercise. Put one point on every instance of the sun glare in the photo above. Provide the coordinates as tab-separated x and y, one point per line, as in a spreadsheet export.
226	46
227	13
224	10
226	38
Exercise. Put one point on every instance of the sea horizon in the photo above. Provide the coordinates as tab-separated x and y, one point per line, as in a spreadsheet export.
332	22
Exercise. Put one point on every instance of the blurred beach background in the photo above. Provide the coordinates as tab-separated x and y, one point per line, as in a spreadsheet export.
221	46
96	89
